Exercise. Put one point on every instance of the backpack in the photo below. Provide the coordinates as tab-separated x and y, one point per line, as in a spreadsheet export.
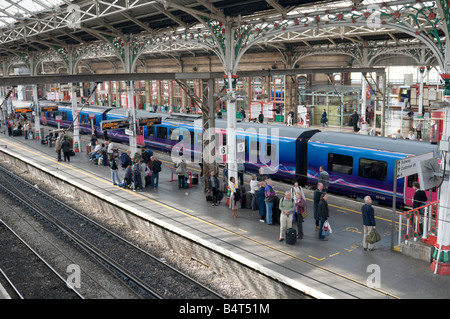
237	195
136	170
124	160
156	166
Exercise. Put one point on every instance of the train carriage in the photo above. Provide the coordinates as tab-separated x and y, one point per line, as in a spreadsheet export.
358	165
361	165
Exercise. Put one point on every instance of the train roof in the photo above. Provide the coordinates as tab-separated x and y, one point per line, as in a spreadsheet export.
290	132
376	143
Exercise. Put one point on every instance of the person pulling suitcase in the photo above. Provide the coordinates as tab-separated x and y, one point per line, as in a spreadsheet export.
287	207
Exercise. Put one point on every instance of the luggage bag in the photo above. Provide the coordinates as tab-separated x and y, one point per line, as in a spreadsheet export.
291	236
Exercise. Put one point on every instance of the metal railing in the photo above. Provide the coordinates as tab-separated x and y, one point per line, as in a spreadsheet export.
414	217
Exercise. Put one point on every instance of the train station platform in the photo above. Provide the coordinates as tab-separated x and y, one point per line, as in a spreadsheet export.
337	268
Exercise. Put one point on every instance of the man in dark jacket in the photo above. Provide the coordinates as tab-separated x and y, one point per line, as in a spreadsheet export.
368	215
156	168
420	199
317	193
355	120
323	213
65	147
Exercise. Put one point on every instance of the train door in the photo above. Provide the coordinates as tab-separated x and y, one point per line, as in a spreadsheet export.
409	190
301	160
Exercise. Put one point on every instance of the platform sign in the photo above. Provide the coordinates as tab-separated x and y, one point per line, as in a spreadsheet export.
150	121
114	124
409	166
403	168
49	108
23	110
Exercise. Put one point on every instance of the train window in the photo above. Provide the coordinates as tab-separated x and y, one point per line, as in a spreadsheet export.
372	169
161	132
174	134
191	136
254	149
339	163
412	178
64	116
83	119
150	131
271	151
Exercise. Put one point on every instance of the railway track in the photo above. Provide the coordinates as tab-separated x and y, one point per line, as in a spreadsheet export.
20	258
146	275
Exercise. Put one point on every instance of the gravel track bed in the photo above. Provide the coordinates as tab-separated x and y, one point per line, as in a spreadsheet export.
27	272
202	273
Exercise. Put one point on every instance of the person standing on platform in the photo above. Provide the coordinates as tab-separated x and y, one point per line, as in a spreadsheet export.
235	197
65	147
213	187
261	117
110	149
324	118
317	194
324	178
300	209
58	145
156	168
287	207
323	214
261	202
137	176
420	199
419	130
9	128
368	215
114	171
269	199
355	120
181	172
243	114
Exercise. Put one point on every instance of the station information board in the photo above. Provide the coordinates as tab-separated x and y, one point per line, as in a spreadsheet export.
114	124
150	121
24	110
49	108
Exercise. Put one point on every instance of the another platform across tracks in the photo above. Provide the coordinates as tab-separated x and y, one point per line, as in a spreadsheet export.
337	268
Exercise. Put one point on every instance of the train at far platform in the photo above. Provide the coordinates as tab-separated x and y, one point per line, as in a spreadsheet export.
358	165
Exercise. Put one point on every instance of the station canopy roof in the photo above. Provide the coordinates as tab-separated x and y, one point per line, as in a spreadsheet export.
40	25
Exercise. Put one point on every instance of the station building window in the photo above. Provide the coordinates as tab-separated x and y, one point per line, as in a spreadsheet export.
339	163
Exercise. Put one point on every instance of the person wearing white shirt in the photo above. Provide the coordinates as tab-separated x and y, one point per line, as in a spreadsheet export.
411	136
254	189
110	150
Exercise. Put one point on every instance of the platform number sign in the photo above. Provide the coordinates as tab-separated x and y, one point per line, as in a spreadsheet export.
241	147
223	150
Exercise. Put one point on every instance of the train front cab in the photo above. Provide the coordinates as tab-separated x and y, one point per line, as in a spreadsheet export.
360	172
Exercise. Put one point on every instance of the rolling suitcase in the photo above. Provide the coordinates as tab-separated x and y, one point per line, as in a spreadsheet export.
291	236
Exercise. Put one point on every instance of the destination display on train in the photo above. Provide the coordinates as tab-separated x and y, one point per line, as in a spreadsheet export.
150	121
114	124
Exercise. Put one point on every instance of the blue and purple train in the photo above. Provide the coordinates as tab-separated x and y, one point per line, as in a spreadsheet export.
358	165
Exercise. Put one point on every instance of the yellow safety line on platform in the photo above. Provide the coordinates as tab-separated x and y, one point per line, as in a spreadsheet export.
209	223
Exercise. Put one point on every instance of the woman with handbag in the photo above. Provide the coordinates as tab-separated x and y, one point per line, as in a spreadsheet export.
301	213
235	197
